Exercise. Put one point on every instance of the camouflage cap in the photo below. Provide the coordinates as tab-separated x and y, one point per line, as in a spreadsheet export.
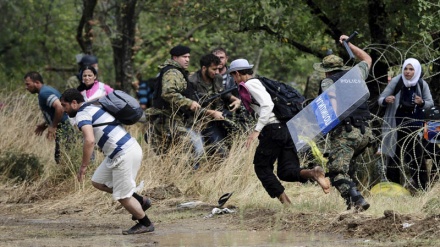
330	63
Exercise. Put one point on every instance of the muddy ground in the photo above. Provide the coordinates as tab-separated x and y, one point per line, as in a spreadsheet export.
95	223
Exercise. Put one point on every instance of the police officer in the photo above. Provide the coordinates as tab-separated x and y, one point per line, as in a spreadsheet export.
171	104
352	136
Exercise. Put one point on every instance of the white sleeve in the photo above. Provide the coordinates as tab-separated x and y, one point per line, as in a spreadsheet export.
262	97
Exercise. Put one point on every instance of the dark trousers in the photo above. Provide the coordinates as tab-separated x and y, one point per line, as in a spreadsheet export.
213	135
411	151
63	137
275	144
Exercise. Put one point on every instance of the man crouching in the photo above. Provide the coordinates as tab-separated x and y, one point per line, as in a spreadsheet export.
123	157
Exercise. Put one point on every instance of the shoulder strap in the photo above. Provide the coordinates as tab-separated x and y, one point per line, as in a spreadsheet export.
421	85
158	87
399	85
158	101
116	122
96	102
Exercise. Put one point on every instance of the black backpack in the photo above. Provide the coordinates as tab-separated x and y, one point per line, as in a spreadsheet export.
158	101
287	100
432	113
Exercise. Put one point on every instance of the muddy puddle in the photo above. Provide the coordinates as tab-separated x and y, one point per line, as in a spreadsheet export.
245	238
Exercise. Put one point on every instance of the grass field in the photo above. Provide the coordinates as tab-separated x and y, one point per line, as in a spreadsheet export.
27	166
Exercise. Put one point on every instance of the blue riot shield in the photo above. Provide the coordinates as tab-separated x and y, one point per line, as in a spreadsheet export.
328	109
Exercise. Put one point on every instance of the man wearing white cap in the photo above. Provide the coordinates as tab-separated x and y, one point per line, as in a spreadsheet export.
275	142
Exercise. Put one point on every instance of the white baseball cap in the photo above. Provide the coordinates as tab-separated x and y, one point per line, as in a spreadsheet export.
239	64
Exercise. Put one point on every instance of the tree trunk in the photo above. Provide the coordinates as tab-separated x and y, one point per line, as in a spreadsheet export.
123	42
86	41
377	19
435	80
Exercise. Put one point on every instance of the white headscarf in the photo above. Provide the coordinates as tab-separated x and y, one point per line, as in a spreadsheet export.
417	72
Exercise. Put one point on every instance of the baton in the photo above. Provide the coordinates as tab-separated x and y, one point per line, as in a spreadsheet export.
347	47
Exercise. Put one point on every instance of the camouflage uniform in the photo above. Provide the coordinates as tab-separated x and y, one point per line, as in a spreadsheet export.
346	142
313	82
344	148
72	82
170	123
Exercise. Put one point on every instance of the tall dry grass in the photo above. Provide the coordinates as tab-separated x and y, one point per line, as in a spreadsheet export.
214	178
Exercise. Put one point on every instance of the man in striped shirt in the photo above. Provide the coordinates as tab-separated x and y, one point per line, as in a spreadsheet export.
123	157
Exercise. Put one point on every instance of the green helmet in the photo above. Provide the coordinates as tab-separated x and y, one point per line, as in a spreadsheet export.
330	63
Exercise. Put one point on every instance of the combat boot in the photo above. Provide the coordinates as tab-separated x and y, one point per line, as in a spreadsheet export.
355	199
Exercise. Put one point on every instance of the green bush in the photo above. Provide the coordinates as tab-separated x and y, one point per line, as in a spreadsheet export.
22	166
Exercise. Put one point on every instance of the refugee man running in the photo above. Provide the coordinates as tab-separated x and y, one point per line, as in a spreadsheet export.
55	120
275	142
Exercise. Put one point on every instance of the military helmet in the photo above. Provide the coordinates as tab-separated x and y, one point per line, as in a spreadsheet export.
330	63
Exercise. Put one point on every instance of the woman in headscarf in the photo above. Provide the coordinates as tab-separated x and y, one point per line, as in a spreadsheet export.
405	97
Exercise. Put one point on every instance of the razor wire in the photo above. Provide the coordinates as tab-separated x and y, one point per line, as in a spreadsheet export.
375	163
393	56
378	161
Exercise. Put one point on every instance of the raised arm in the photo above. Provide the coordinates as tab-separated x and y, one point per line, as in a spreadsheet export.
358	52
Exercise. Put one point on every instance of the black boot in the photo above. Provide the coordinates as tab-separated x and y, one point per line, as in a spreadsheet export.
352	196
355	199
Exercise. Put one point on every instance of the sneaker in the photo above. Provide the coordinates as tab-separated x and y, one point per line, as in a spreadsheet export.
146	205
139	228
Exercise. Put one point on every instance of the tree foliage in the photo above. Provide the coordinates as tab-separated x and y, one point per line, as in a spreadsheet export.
283	38
35	36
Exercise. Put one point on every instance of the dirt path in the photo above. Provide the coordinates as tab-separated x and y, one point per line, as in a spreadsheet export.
38	225
79	227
